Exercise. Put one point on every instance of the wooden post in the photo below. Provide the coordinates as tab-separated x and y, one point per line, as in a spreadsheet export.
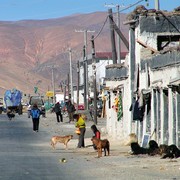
113	43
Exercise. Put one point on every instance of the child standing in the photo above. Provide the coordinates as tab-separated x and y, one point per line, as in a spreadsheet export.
97	134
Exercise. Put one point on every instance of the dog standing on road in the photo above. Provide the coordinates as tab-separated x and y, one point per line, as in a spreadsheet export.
61	139
101	144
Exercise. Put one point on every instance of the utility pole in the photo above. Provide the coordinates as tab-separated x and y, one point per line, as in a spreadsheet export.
117	36
157	6
118	44
94	80
53	82
70	64
85	66
78	83
68	86
53	85
85	79
113	44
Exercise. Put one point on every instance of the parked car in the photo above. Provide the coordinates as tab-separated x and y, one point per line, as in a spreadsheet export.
81	107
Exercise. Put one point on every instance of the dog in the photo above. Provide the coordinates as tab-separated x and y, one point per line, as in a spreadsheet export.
137	149
10	115
153	148
162	149
101	144
171	152
61	139
131	138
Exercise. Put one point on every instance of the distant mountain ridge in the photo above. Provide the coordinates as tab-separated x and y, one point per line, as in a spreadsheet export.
30	48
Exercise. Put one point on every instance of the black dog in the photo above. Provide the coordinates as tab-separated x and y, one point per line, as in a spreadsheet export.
151	150
172	151
136	149
10	115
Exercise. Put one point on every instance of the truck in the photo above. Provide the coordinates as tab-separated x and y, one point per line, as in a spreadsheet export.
39	102
12	99
1	105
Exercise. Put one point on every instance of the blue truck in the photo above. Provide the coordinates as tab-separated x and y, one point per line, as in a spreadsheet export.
12	99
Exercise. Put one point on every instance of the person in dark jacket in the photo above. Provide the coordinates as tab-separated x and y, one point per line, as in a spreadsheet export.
57	110
96	133
35	114
70	109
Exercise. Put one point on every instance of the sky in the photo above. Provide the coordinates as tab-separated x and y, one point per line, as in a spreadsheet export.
14	10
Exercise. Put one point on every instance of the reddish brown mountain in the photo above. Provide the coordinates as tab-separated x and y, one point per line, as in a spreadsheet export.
29	48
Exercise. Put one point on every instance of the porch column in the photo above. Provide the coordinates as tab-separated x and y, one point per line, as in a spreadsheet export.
131	72
177	119
162	116
170	118
153	123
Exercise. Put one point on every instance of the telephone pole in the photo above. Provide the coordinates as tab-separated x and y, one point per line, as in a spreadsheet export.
118	44
53	84
113	44
78	83
70	68
94	80
86	87
157	6
53	81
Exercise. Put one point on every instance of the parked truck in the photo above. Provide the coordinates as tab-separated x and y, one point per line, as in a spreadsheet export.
12	99
1	105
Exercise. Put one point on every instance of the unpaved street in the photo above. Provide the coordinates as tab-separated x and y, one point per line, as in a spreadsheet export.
25	154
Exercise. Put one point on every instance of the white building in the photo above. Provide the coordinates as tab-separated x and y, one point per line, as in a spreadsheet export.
152	72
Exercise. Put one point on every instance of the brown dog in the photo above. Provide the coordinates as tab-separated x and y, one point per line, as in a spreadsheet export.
61	139
101	144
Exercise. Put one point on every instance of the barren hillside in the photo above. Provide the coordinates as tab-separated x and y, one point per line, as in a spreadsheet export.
29	49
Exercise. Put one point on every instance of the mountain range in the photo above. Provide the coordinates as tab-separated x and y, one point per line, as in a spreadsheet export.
32	50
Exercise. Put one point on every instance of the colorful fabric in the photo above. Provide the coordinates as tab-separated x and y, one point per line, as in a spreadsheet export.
120	108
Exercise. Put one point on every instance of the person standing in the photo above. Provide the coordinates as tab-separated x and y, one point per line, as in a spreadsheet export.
96	133
70	109
80	123
35	114
57	110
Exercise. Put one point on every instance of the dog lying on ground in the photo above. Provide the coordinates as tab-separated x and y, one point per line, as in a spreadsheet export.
101	144
137	149
61	139
162	149
171	151
151	150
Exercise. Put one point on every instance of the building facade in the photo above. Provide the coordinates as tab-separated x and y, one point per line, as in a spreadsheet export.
147	85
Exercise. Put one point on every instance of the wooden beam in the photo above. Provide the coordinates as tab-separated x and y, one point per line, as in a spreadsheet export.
146	46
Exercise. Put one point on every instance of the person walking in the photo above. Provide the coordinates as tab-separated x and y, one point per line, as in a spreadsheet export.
35	114
57	110
70	109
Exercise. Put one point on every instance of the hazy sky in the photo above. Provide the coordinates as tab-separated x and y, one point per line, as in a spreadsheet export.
13	10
